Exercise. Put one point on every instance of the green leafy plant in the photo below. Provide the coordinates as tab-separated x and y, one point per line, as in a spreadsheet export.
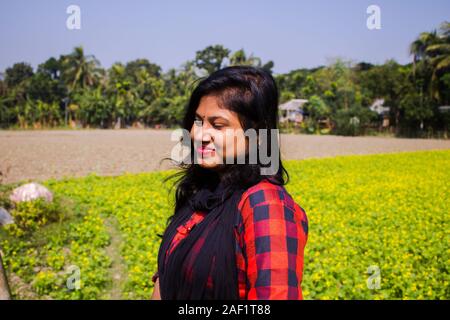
30	215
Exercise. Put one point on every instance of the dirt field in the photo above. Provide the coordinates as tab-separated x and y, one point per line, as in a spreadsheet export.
39	155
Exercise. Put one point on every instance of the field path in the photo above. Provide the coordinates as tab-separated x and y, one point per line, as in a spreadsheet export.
118	270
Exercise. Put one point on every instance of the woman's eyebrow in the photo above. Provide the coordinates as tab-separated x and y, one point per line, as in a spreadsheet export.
212	118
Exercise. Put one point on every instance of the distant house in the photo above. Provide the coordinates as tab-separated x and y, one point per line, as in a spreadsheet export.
444	109
292	110
382	110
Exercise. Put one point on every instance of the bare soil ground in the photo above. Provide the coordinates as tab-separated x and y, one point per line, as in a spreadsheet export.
39	155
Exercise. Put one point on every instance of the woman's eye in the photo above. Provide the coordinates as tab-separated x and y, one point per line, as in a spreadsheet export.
198	123
218	126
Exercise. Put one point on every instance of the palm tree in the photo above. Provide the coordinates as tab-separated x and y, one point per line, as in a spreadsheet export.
240	58
419	47
432	49
80	71
439	54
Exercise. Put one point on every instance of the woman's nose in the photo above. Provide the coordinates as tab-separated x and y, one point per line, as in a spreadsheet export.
202	133
206	136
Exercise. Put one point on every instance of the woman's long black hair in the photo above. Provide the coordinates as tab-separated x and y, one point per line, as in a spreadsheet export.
252	93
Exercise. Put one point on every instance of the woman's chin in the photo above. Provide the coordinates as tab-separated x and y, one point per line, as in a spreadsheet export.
210	164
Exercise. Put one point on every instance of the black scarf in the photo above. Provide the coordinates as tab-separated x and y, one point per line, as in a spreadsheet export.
219	245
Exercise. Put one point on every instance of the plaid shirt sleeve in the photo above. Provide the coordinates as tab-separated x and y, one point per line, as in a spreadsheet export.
275	231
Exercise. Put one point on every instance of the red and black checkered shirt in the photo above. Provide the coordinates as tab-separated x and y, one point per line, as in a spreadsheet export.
271	233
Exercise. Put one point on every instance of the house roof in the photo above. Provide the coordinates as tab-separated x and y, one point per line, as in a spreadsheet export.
294	104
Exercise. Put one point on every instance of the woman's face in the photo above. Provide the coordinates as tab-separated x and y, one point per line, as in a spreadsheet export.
217	134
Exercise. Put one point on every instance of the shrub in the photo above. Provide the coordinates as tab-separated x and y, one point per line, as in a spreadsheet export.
30	215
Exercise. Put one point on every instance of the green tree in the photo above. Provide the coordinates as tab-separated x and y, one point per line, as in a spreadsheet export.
94	109
317	110
17	74
433	49
292	84
388	81
352	121
133	68
240	58
416	109
211	58
80	70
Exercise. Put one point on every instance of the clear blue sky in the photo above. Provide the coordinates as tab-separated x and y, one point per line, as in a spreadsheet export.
294	34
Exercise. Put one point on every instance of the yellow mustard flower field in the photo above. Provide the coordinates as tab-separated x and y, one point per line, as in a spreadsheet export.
378	229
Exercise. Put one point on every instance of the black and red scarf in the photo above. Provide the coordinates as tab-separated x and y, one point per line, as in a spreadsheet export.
208	250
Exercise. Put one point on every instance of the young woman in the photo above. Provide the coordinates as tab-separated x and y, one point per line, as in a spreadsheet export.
236	232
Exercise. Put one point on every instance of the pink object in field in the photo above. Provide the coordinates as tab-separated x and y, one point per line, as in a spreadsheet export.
31	191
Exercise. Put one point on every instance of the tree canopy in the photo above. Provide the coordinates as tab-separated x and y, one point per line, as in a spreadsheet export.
139	92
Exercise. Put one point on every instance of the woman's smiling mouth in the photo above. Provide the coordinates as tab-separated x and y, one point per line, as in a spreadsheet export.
206	151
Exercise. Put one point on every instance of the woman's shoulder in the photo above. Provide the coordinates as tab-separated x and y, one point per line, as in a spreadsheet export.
266	193
262	192
269	203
